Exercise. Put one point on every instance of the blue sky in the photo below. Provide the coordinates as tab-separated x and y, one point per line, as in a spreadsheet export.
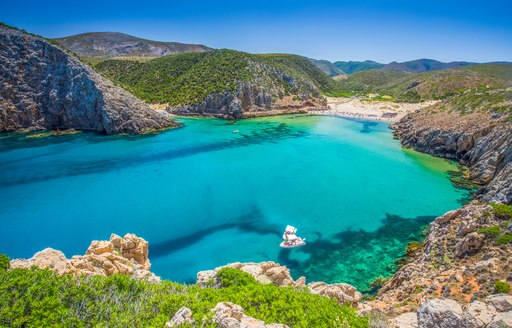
398	30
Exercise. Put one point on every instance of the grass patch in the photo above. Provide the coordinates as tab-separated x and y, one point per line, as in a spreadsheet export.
503	239
502	211
492	231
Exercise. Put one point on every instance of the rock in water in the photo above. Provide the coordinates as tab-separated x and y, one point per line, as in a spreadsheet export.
44	87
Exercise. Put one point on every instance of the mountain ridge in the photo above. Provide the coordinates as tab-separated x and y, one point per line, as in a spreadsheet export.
116	44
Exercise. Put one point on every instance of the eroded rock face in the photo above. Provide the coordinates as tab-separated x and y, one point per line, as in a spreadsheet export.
455	262
127	255
440	313
481	141
44	87
343	293
184	315
250	100
229	315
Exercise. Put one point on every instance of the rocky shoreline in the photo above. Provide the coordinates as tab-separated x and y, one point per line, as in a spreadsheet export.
481	141
43	86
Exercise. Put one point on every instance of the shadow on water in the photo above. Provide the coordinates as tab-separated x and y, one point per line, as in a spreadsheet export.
268	134
252	222
356	257
367	125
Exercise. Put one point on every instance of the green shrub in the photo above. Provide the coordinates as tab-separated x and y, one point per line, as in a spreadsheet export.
4	262
502	211
233	277
495	230
501	287
41	298
503	239
412	248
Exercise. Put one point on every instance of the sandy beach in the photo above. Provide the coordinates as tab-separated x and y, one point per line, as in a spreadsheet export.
385	111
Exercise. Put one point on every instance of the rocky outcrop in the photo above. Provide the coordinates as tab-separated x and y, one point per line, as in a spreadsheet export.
447	313
183	316
460	259
250	100
264	273
482	141
127	255
43	86
229	315
343	293
278	275
225	315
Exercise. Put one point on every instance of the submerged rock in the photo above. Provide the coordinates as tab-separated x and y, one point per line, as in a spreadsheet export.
42	86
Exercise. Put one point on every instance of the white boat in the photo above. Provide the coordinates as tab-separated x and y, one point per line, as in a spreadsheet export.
290	238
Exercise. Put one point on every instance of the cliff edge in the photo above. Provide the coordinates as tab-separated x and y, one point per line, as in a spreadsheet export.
44	87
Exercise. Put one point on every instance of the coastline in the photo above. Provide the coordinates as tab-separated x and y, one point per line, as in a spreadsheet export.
381	111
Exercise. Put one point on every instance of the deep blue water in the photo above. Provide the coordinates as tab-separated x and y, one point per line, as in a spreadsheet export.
204	196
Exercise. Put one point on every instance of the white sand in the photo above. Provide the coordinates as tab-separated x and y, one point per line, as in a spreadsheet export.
370	109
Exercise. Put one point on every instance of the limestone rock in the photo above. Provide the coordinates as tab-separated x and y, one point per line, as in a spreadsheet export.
480	314
343	293
183	315
127	255
470	244
47	258
42	86
502	302
405	320
229	315
444	313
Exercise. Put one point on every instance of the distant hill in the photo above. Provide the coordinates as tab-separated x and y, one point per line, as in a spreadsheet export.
112	44
423	65
438	84
351	67
327	67
223	82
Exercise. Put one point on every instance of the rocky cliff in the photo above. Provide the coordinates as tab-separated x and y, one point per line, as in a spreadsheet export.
480	140
44	87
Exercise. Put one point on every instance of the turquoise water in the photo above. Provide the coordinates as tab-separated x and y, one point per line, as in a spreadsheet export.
204	196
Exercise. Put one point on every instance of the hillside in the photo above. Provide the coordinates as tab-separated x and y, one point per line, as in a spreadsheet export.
112	44
407	86
224	82
423	65
43	86
351	67
327	67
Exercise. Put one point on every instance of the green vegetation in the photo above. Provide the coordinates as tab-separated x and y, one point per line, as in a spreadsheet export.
501	287
492	231
439	84
502	211
413	248
352	67
503	239
187	79
4	262
41	298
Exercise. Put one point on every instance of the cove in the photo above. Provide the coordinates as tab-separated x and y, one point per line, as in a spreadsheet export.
204	195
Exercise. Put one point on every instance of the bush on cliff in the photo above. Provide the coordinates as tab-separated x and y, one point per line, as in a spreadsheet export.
41	298
4	262
502	211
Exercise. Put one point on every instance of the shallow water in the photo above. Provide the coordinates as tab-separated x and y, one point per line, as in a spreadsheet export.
204	196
